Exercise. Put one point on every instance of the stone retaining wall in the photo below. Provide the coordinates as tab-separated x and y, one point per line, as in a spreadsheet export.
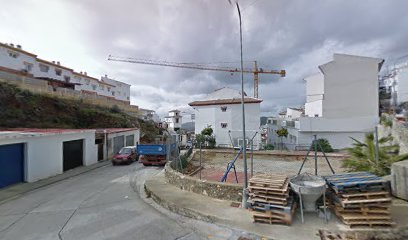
224	191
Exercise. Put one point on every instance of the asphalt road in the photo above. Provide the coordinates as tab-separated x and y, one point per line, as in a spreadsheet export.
100	204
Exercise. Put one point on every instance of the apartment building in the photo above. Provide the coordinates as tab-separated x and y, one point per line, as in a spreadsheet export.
14	59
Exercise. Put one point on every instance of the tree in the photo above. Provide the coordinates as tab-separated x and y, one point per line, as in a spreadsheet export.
206	138
362	155
282	132
324	143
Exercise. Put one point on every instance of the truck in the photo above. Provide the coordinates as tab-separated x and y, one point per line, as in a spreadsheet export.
157	153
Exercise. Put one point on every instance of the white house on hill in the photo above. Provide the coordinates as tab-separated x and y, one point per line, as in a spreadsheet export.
222	111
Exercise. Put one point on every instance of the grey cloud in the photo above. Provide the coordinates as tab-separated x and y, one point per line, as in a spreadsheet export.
296	35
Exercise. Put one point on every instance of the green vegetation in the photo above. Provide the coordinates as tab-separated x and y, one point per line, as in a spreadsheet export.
385	121
205	138
324	143
283	132
269	147
24	109
362	155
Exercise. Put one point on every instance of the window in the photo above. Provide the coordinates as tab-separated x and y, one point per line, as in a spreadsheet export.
224	109
127	98
87	81
269	121
316	115
67	78
58	72
93	87
101	87
113	93
28	66
275	122
177	120
13	54
44	68
224	125
108	89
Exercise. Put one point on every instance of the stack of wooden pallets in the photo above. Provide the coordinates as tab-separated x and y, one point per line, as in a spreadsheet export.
270	200
360	199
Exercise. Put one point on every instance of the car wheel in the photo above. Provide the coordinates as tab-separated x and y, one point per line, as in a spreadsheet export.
113	163
146	164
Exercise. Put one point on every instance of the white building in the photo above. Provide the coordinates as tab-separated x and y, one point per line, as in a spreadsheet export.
395	83
342	102
174	120
222	111
14	59
33	154
149	115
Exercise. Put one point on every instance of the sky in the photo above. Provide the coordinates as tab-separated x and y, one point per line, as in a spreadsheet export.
295	35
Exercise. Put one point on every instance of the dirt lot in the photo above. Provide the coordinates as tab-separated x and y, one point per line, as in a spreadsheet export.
215	163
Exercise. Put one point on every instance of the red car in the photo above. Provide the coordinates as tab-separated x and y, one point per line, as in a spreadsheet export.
126	155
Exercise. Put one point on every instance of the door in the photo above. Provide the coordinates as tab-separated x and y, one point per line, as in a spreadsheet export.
11	164
100	151
118	143
130	140
73	154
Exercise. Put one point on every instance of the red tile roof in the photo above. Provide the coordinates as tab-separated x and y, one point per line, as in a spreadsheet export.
224	101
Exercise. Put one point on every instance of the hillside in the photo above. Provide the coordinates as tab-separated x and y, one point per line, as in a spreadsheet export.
24	109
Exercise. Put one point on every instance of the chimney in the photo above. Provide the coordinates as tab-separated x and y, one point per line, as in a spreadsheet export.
80	72
53	62
58	63
12	45
85	74
19	46
106	75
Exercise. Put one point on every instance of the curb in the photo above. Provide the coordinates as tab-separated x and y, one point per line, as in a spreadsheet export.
179	210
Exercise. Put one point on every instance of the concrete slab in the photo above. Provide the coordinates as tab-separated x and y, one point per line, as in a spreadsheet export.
7	221
37	226
220	212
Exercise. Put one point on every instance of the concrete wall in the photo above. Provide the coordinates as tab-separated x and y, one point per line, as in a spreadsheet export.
350	86
402	84
224	191
399	179
314	108
44	153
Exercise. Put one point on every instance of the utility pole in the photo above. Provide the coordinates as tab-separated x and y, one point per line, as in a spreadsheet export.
256	80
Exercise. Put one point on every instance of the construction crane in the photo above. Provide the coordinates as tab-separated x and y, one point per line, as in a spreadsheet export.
255	71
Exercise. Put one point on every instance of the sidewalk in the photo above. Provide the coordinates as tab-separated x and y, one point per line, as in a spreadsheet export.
17	190
220	212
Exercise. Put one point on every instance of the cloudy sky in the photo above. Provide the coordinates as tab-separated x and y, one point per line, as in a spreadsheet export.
295	35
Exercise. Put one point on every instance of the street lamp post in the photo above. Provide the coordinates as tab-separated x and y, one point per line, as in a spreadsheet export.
244	190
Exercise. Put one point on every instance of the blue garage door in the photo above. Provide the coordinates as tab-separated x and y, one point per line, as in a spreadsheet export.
11	164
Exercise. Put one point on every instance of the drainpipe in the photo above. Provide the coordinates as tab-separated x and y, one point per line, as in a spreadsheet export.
106	144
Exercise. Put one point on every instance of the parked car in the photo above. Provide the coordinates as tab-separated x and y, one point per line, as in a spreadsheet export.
126	155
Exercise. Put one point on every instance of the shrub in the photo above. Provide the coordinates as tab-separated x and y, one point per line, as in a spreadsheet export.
269	147
283	132
362	155
115	109
324	144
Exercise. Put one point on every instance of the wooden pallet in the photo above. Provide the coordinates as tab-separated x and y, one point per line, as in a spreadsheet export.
275	216
269	193
362	210
269	201
364	196
371	224
356	182
356	216
263	207
364	202
329	235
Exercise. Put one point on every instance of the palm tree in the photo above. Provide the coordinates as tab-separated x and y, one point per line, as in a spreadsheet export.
362	155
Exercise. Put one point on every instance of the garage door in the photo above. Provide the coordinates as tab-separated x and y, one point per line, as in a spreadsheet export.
118	143
11	164
72	154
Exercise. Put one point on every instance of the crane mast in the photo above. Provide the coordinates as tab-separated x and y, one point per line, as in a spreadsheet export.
254	71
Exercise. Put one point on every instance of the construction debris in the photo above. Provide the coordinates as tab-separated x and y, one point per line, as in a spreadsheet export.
270	200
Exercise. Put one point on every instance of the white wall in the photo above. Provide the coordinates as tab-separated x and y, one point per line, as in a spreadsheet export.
15	63
314	108
44	154
214	116
350	86
402	85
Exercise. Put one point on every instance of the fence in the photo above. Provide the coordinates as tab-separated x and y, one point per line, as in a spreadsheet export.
41	86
